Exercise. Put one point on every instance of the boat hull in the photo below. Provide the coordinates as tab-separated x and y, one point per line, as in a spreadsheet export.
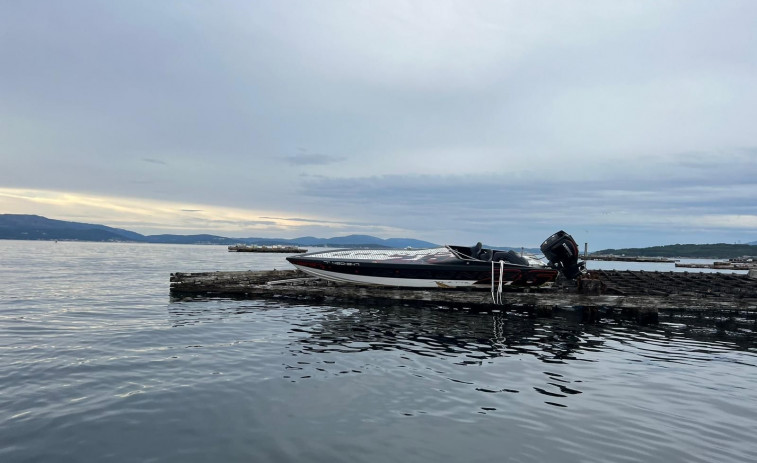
419	273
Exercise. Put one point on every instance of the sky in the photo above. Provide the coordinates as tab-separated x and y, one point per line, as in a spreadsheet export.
625	123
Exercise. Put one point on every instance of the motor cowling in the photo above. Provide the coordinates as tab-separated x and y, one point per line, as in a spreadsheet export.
562	253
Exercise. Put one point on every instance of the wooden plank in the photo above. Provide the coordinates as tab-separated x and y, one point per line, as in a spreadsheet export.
641	296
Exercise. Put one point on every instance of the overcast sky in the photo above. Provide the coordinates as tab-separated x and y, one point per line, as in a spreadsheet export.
626	123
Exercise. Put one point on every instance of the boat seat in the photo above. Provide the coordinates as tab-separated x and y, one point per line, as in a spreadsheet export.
475	250
509	256
485	255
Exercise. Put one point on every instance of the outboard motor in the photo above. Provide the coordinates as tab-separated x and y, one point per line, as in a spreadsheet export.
562	252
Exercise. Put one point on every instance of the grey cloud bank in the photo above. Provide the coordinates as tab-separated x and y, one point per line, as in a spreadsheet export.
627	123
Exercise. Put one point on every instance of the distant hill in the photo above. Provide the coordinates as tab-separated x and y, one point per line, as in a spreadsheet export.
189	239
534	251
358	241
692	251
362	241
35	227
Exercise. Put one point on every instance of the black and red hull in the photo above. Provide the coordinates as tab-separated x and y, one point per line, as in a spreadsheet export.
432	268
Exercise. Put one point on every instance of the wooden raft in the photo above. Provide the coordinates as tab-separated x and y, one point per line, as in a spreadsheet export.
633	294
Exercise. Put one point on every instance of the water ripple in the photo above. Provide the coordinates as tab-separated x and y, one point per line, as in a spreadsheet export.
98	371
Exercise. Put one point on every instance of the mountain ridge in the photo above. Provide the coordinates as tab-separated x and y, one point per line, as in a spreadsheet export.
693	251
35	227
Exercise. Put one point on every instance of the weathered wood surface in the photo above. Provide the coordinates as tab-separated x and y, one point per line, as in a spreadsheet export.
253	248
726	286
636	294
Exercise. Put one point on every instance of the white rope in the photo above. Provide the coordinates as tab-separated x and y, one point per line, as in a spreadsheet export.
494	299
501	271
497	299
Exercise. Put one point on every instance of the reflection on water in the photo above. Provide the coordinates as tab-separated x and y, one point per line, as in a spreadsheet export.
458	334
461	338
458	337
467	337
210	310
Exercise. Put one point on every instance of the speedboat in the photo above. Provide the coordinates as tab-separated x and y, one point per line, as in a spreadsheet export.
444	267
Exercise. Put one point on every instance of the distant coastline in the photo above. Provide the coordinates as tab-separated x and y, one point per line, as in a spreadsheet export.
37	228
688	251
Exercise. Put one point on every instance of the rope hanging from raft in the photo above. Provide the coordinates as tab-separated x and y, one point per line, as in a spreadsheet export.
497	299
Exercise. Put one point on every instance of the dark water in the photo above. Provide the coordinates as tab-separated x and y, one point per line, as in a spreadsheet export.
99	365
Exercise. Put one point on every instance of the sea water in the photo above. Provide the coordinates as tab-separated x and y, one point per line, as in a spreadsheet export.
97	363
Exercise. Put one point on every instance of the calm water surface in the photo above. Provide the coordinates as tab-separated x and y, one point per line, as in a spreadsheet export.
98	364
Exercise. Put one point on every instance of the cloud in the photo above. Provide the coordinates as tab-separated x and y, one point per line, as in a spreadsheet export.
655	195
155	217
144	216
314	159
317	221
441	120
